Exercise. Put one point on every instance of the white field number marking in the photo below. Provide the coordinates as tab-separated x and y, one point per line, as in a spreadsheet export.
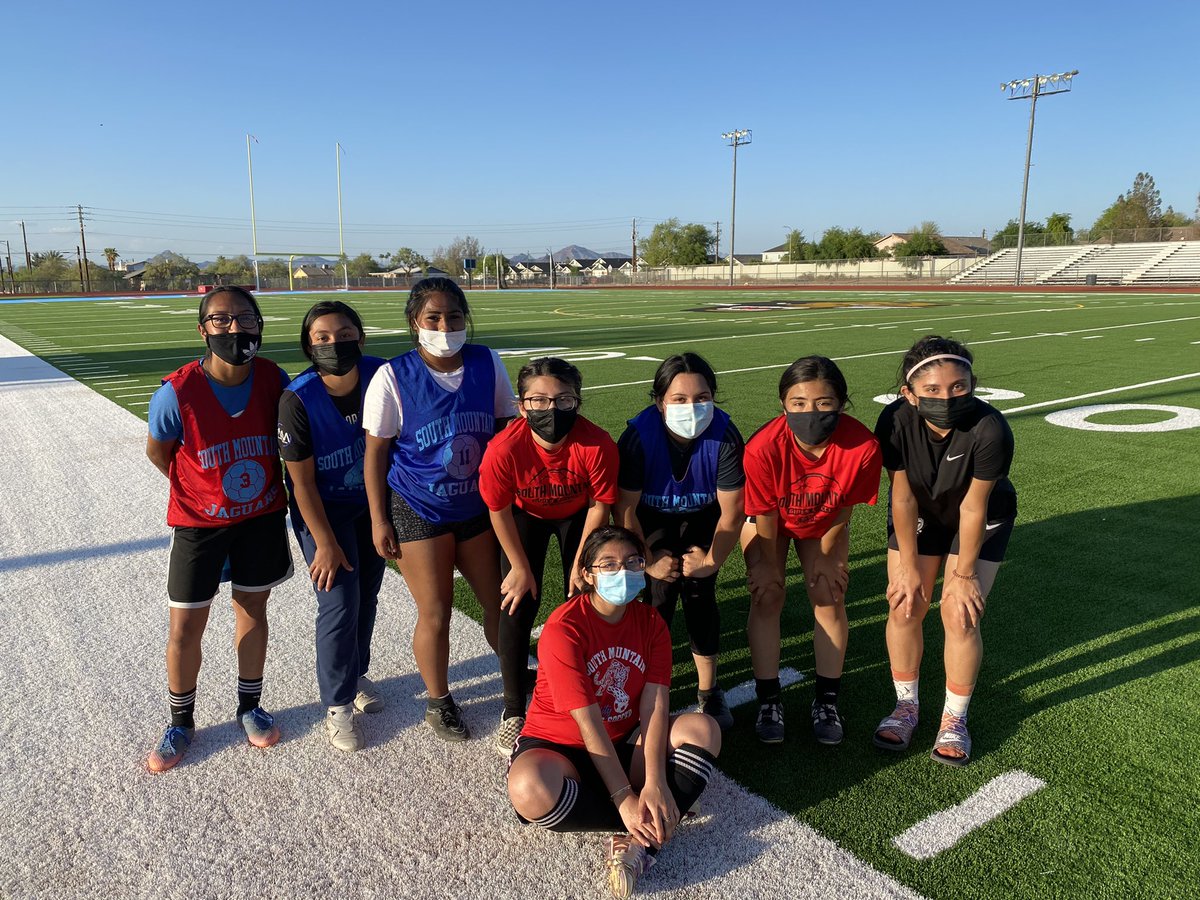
944	829
1182	417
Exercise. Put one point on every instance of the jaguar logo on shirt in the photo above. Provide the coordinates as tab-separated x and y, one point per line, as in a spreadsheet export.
811	496
613	682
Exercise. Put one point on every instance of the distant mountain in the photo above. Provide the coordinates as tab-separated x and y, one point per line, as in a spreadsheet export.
569	252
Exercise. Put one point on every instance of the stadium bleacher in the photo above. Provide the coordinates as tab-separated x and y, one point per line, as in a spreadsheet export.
1176	262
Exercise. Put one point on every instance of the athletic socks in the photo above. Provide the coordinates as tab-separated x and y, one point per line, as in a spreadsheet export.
688	770
906	686
439	702
183	708
958	698
767	689
827	690
580	809
249	694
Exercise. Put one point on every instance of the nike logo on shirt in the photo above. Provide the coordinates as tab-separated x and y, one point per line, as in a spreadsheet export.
953	458
992	527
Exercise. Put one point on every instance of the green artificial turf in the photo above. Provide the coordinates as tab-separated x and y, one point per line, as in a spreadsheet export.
1091	676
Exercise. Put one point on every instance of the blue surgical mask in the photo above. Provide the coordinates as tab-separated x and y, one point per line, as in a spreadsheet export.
688	419
619	588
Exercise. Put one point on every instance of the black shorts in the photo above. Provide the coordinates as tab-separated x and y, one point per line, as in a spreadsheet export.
257	551
935	539
579	758
411	527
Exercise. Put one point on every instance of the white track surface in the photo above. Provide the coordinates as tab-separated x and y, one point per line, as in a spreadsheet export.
83	563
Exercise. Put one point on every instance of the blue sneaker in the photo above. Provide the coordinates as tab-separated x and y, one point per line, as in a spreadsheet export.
259	726
170	749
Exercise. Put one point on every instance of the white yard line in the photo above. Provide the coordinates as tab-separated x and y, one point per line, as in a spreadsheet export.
86	521
1116	390
944	829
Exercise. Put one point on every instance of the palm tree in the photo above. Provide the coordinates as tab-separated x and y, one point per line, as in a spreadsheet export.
111	254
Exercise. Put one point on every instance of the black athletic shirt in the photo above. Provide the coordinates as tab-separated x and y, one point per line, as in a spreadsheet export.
295	437
940	470
730	474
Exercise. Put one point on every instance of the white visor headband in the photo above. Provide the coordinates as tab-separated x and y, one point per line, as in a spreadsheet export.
962	359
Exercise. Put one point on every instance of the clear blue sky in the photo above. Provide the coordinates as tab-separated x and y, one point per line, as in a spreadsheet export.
534	125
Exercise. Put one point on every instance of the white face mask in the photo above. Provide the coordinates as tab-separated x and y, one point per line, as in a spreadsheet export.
441	343
688	419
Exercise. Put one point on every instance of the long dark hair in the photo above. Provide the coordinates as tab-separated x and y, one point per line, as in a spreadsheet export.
603	535
815	368
420	293
553	367
682	364
928	346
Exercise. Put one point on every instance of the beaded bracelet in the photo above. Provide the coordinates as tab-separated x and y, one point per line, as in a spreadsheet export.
972	577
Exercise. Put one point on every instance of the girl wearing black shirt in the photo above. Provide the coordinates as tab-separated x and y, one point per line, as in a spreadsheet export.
951	509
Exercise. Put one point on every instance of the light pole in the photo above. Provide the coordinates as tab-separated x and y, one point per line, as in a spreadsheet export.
253	225
736	138
341	241
1030	89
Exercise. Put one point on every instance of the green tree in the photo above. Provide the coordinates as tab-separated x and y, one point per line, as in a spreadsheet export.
449	258
272	268
1139	207
111	256
238	270
798	249
673	244
362	266
410	259
923	240
838	243
52	266
489	263
171	272
1056	231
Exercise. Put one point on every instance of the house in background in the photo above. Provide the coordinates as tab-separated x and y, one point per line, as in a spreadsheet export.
955	246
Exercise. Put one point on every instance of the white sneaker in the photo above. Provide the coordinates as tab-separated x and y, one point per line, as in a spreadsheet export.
344	732
368	699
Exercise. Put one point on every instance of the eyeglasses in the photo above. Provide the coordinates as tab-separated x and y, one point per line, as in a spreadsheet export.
612	566
564	402
224	321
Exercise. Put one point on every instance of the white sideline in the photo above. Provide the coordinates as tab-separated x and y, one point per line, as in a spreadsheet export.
82	699
944	829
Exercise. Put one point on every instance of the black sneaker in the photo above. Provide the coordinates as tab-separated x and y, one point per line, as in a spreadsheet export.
769	725
714	705
447	722
828	727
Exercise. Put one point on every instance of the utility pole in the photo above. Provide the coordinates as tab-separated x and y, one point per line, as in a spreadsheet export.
634	260
717	248
12	278
87	275
28	261
79	259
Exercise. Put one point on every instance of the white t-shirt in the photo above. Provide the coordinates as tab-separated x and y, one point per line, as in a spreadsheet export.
382	410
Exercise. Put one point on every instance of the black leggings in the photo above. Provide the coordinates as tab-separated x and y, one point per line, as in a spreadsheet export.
513	639
675	534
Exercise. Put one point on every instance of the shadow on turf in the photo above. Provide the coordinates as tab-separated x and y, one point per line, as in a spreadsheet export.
11	564
1068	585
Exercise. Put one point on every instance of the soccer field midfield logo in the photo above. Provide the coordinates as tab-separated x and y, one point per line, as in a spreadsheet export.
461	456
613	682
244	481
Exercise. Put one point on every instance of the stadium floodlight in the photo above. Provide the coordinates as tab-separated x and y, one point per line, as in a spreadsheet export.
736	138
338	151
253	227
1030	89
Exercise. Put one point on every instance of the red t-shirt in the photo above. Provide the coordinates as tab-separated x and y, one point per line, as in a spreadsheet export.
549	484
807	494
583	659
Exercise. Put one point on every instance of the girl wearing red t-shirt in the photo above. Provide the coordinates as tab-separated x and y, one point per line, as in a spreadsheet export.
805	471
599	722
551	472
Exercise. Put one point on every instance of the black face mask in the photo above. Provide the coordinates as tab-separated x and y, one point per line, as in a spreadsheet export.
551	425
951	413
338	358
234	347
813	428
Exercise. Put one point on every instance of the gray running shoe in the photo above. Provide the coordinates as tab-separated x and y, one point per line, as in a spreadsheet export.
447	722
368	699
344	732
506	734
769	725
714	705
827	724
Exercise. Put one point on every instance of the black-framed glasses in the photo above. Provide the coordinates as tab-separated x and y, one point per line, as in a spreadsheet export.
224	321
564	402
612	566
